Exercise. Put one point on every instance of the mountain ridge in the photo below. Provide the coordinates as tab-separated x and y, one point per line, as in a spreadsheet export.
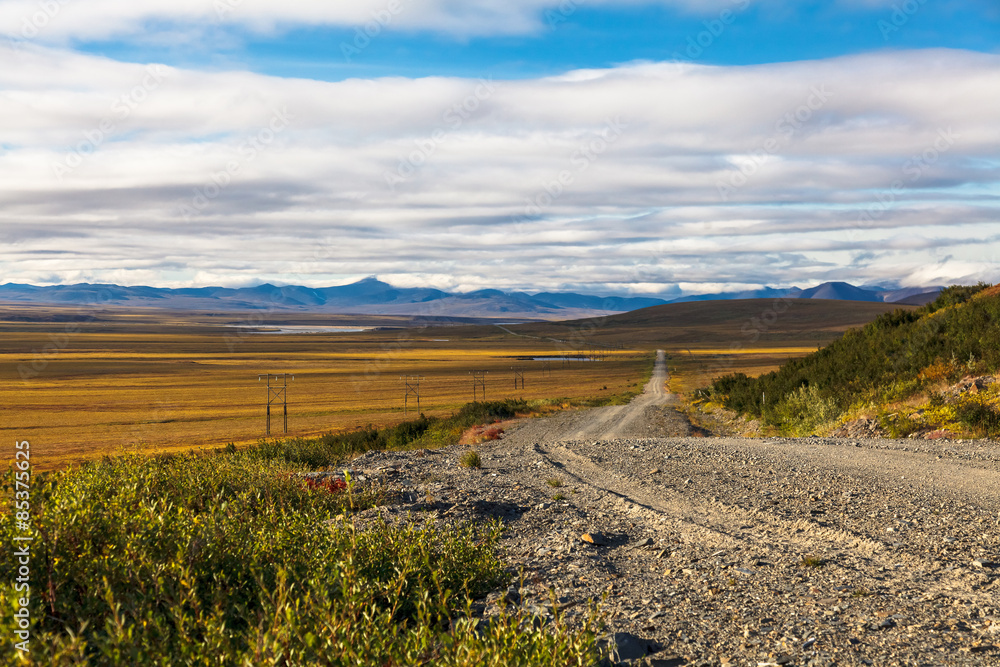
371	296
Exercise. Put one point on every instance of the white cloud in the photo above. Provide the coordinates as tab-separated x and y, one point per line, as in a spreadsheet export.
56	20
604	177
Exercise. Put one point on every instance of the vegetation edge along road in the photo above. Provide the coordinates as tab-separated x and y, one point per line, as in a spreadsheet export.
932	371
233	557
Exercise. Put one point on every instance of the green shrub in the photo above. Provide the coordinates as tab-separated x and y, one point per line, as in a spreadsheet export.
803	411
336	448
898	425
979	417
470	459
232	560
473	414
955	295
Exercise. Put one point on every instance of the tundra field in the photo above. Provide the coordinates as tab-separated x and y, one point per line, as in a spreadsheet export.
85	385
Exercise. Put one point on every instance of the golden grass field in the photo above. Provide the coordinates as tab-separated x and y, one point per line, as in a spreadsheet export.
692	369
129	380
169	381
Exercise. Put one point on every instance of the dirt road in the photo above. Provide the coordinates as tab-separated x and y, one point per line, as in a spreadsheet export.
615	422
733	551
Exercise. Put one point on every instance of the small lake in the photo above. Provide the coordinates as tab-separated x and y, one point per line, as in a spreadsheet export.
297	329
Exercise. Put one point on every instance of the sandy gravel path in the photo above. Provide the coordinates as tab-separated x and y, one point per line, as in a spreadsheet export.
734	551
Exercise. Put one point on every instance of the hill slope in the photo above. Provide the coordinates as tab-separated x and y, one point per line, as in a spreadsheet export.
751	322
900	369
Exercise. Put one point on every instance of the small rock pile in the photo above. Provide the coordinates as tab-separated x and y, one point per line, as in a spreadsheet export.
970	385
860	428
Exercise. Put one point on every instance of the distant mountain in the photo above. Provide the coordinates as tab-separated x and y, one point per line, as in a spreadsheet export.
374	297
765	293
921	299
913	296
840	292
365	297
610	303
836	291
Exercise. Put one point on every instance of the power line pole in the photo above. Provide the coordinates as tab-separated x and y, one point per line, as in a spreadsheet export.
518	375
411	385
277	392
478	380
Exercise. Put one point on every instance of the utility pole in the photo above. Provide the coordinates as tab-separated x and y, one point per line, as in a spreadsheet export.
518	375
411	385
277	392
478	380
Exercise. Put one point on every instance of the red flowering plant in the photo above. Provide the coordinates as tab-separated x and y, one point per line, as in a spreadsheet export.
331	484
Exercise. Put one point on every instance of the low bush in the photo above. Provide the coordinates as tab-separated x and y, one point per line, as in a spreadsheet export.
335	448
978	416
804	411
470	459
487	412
232	560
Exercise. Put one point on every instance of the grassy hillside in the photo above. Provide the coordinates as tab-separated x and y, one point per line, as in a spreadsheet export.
758	322
896	369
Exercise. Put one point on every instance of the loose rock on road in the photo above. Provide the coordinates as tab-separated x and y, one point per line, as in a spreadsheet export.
732	551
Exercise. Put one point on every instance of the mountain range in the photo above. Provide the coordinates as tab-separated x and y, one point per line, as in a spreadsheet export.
836	291
374	297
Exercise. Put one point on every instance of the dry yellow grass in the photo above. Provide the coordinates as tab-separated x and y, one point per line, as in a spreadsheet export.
79	389
692	369
128	380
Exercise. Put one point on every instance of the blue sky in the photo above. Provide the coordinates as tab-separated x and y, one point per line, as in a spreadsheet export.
646	147
576	35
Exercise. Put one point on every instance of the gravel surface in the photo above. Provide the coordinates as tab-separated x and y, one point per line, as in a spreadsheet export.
731	551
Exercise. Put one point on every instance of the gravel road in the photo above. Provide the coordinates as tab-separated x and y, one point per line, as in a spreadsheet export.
731	551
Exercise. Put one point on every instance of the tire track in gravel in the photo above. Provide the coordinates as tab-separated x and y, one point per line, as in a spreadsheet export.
714	523
586	446
815	552
613	422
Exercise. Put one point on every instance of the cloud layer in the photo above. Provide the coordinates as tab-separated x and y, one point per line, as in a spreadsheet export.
650	177
106	19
